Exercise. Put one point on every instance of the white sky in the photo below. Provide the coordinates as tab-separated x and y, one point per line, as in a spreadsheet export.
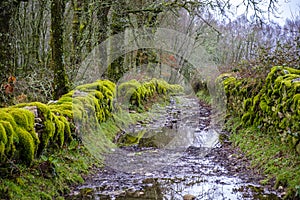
289	8
286	9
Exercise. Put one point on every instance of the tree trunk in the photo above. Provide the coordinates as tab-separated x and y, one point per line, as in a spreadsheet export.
7	9
115	68
76	37
102	15
61	81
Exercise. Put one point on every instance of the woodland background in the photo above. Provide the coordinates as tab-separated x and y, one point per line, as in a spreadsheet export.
44	42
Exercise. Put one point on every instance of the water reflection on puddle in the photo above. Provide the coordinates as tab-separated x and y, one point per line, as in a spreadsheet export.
169	164
203	181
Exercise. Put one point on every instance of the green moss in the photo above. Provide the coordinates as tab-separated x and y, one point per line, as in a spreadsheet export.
45	114
67	128
59	136
58	122
227	82
292	70
7	117
134	95
25	143
70	165
25	119
267	154
110	85
264	106
26	148
274	108
11	137
10	126
125	90
100	85
273	105
247	118
247	104
3	142
64	99
43	109
3	136
2	150
89	87
64	109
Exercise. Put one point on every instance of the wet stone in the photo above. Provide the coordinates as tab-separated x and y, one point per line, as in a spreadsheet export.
182	162
189	197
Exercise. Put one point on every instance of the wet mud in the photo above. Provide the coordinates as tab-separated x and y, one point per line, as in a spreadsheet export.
177	157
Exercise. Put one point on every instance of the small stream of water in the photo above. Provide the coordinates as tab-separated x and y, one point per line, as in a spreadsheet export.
171	161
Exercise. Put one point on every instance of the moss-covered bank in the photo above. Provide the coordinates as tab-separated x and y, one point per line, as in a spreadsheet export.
279	163
266	125
41	152
272	105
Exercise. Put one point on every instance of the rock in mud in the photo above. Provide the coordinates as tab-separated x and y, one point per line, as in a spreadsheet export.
189	197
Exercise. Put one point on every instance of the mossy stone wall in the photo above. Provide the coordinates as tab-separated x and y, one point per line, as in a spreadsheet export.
273	105
134	93
27	129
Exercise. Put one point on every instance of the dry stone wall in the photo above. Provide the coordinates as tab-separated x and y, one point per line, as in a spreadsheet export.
27	129
273	104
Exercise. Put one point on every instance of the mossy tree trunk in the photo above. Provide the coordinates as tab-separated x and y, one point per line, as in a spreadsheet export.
7	9
136	15
115	68
61	81
4	44
76	36
102	15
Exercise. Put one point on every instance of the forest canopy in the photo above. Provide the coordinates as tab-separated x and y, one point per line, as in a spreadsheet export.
43	43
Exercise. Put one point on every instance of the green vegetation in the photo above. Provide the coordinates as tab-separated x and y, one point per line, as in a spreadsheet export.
134	94
41	146
50	176
264	117
204	96
267	154
45	45
272	105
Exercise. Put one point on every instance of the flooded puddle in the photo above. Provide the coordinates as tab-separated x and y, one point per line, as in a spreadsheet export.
172	160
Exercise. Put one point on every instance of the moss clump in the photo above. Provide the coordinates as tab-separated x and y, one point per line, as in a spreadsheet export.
67	129
47	132
25	147
134	94
273	105
28	129
59	136
10	138
126	90
8	135
21	144
278	103
3	142
95	98
64	109
25	120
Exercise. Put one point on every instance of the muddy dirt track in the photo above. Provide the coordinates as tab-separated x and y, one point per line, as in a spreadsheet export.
178	157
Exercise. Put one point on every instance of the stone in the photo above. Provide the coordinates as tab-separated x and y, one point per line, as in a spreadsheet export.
189	197
32	109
